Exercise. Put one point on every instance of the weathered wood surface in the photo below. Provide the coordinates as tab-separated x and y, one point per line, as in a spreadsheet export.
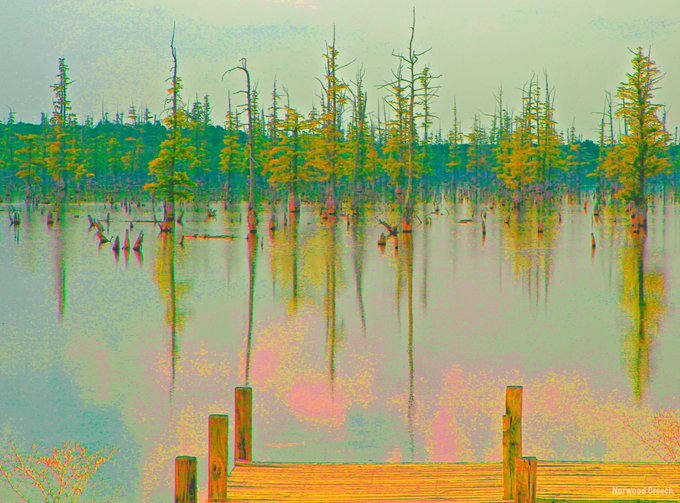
218	431
243	424
555	481
525	480
512	437
185	480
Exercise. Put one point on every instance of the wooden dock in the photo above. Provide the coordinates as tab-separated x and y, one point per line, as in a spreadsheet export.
471	482
517	478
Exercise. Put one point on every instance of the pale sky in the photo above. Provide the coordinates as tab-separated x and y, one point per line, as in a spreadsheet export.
118	50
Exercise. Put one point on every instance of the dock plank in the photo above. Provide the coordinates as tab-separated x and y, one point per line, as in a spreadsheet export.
557	482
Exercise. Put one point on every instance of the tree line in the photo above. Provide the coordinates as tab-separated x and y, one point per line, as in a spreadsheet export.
337	152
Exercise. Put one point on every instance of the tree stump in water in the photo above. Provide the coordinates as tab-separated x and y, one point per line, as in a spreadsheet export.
126	242
138	243
166	226
252	221
293	203
641	212
331	206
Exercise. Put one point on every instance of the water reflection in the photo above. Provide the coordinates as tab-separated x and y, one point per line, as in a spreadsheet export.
336	365
331	256
293	232
408	258
284	261
172	292
59	229
427	219
643	300
529	237
358	232
251	243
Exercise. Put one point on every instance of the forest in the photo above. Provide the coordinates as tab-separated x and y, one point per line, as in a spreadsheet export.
337	153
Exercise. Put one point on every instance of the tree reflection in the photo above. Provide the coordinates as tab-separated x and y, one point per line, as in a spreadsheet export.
530	251
426	256
404	278
330	300
171	292
284	260
408	257
60	228
643	299
294	218
252	258
358	242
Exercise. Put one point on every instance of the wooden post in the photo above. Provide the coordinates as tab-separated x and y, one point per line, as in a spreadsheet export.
507	483
218	428
512	437
185	480
525	480
243	424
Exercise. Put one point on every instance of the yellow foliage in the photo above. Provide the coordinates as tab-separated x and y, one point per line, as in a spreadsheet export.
641	153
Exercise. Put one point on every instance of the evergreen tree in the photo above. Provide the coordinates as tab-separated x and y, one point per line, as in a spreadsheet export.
455	140
232	155
30	162
62	159
327	153
642	153
285	166
168	169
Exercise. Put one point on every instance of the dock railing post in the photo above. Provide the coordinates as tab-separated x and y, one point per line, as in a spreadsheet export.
512	437
218	430
507	482
243	424
185	480
525	480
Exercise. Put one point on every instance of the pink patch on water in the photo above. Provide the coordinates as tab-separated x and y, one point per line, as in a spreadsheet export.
311	401
444	442
553	401
443	436
265	361
395	456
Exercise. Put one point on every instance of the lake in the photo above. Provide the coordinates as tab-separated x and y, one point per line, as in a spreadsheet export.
354	352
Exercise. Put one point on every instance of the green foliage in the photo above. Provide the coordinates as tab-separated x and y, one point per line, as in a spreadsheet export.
285	166
232	156
642	152
63	154
177	155
30	161
338	146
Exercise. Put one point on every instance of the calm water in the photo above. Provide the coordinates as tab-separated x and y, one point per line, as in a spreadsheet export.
354	354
